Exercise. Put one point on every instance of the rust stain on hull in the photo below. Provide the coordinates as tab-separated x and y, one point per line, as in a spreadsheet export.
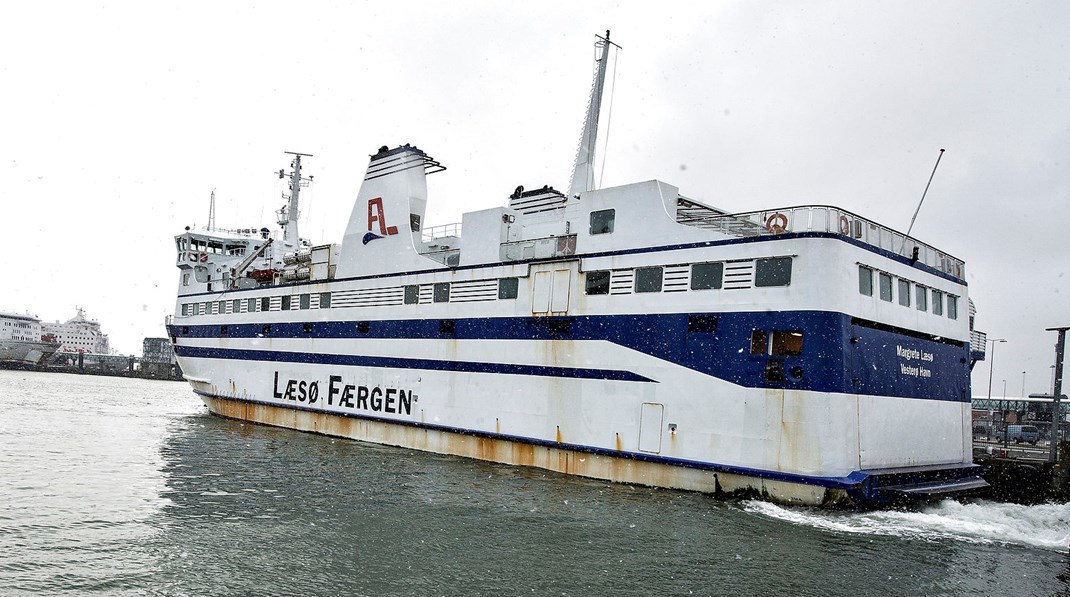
562	460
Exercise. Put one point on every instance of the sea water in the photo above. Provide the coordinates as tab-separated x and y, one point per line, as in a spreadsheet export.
119	486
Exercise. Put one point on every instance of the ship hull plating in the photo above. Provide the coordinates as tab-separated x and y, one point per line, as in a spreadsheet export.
564	460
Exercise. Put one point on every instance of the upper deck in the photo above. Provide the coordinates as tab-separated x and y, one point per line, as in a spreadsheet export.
818	218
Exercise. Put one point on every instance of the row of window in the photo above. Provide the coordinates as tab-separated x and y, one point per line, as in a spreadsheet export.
508	288
252	305
775	271
907	292
769	272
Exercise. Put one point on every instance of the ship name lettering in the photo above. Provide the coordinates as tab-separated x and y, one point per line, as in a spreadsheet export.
297	390
374	398
913	354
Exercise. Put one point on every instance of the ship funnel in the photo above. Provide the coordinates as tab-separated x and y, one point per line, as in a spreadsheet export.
388	216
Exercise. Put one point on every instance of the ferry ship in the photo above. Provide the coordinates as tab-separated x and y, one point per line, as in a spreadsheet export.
804	354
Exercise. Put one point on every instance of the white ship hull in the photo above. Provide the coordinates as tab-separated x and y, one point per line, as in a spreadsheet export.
632	334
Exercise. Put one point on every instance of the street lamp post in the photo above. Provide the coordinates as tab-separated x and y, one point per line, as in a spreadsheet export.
991	366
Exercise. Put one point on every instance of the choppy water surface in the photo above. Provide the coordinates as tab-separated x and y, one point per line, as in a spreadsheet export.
116	486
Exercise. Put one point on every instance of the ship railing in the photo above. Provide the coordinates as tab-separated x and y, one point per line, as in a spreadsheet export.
819	218
441	231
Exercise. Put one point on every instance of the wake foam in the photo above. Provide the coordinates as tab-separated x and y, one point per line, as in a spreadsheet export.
1046	526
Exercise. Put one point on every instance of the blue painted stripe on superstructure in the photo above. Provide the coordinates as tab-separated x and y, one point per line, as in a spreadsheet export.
838	356
851	481
404	363
636	251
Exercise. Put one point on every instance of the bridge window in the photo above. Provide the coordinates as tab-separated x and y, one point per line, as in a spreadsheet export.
921	297
706	276
772	272
904	292
325	300
787	343
648	279
508	288
442	292
412	294
602	221
597	282
865	280
886	286
758	342
952	307
938	302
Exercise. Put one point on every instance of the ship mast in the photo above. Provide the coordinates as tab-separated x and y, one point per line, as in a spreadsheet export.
583	173
289	213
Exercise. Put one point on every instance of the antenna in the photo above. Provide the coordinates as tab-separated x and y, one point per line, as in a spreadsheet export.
583	172
211	211
922	200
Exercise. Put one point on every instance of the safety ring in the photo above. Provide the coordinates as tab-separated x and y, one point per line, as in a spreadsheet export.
845	226
204	257
776	223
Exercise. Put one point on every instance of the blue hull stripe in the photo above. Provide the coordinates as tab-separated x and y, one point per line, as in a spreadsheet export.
839	355
403	363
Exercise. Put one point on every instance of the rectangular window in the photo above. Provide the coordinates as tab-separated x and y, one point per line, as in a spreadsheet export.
865	280
442	292
222	307
706	276
412	294
185	279
235	306
758	342
772	272
787	343
886	286
286	302
602	221
597	282
305	301
208	308
702	324
508	288
325	300
921	297
904	292
938	302
952	307
185	309
265	303
648	279
250	305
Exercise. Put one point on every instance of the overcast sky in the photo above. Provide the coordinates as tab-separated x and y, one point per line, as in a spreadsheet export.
117	120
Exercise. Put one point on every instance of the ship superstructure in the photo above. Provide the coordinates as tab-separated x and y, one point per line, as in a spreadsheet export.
78	334
629	333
